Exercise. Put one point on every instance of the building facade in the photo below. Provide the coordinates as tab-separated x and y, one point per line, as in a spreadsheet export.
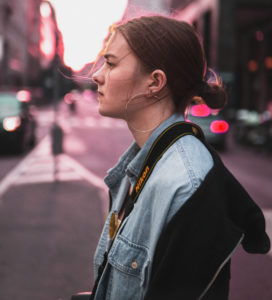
19	42
237	37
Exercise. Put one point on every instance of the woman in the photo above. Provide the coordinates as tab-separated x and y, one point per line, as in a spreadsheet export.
172	225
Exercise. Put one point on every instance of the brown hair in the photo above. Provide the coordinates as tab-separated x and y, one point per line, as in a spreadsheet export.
174	47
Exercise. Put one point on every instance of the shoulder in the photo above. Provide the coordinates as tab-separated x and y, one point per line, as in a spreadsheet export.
195	156
187	161
180	172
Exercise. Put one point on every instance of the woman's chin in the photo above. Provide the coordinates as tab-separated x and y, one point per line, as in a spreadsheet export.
110	114
102	111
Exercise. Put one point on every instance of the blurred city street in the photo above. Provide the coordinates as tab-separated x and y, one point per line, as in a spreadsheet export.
52	210
55	149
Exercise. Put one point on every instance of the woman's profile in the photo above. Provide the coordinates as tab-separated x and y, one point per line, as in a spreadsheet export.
176	213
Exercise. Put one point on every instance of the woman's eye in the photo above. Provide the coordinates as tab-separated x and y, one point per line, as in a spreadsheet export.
110	64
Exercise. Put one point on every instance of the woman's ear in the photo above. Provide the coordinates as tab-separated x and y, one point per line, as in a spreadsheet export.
157	82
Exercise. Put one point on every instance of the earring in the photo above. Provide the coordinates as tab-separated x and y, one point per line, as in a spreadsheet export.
150	91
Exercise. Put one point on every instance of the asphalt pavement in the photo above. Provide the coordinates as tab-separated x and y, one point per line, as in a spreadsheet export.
48	230
51	215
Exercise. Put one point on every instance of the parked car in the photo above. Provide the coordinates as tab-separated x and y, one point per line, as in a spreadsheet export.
212	122
254	129
17	121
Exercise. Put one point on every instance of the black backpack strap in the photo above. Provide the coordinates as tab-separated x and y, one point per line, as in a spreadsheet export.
159	147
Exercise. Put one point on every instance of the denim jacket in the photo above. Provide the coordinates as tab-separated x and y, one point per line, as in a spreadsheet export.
176	176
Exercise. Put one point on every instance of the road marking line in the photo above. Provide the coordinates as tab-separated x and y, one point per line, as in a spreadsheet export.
43	178
12	176
73	144
65	166
85	173
31	170
91	122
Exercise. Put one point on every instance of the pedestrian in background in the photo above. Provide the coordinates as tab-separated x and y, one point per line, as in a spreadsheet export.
175	222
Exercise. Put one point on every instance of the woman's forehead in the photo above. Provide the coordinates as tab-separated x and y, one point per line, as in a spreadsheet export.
117	46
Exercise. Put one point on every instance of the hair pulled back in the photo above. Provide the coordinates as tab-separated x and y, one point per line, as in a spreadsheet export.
174	47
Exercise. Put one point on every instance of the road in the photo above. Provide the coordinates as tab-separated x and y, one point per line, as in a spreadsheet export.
251	274
50	228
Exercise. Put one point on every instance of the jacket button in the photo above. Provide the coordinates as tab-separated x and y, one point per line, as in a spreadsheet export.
134	265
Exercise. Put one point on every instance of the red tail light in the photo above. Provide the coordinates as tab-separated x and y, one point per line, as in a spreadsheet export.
200	110
219	126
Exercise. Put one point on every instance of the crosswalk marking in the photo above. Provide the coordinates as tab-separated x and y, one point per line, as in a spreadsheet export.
47	118
40	166
74	145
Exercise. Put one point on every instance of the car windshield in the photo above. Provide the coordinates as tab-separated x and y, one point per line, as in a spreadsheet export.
9	105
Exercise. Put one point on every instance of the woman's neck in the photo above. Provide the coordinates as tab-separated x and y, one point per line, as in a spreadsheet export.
144	125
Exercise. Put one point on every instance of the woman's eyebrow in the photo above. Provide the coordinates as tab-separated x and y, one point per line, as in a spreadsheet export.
109	55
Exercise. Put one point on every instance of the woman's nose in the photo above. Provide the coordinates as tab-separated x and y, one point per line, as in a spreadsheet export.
97	77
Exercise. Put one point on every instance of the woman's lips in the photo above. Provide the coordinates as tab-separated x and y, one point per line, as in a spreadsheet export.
100	95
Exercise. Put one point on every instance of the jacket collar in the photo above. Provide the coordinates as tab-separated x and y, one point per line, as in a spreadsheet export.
131	161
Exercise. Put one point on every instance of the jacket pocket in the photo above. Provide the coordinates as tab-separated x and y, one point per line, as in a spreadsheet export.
128	272
129	258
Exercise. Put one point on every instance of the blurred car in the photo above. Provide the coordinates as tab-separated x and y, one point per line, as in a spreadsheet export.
212	122
254	129
17	122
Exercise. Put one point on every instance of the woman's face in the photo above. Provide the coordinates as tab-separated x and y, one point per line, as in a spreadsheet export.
119	79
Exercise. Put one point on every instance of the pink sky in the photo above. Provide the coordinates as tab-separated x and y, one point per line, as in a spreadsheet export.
84	25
